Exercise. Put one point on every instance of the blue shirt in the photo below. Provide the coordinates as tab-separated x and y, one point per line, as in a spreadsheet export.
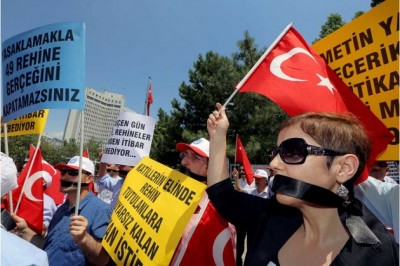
60	247
113	184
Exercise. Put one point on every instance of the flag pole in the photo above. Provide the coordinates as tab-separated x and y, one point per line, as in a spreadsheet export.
236	148
146	97
78	192
239	86
6	151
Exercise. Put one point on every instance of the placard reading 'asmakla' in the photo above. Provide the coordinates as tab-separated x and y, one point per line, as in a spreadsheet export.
32	123
130	139
44	68
154	206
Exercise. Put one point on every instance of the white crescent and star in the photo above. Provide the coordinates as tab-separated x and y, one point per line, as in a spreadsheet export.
29	183
276	68
219	245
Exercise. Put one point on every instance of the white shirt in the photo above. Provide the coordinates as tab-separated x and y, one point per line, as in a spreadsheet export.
17	251
246	187
263	194
382	199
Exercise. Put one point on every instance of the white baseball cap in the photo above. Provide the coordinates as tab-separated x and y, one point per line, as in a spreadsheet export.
73	163
199	146
261	174
8	174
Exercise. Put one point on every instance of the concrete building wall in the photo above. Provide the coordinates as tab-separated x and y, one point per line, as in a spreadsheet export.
101	110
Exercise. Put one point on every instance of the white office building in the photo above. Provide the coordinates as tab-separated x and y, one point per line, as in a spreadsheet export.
101	111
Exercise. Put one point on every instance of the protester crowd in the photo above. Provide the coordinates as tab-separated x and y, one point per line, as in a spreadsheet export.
303	209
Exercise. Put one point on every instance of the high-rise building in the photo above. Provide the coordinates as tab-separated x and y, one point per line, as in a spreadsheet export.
100	113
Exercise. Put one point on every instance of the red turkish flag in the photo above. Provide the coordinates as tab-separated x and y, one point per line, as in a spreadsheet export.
54	189
241	157
296	78
31	205
86	153
149	98
209	242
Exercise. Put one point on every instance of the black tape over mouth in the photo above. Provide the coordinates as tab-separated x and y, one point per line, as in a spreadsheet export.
72	184
305	191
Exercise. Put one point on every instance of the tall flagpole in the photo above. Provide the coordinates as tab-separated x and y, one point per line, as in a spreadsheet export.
146	100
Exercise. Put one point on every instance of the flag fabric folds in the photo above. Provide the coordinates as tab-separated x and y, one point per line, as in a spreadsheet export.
31	205
214	239
241	157
297	79
54	189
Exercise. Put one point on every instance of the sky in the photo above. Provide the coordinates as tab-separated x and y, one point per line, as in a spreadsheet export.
128	41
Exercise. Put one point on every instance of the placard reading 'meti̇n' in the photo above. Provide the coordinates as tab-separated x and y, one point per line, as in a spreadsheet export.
154	206
130	139
44	68
365	54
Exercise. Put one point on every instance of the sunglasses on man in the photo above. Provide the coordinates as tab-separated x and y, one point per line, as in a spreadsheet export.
296	150
112	171
72	172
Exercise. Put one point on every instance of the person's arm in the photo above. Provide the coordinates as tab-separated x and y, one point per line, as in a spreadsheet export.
217	126
22	230
235	174
91	248
102	168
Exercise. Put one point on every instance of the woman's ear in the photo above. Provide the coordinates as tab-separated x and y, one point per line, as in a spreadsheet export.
348	167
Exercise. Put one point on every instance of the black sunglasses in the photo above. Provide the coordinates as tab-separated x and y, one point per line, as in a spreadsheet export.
296	150
111	170
72	172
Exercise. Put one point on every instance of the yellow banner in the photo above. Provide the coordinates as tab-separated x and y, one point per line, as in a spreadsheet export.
32	123
154	206
365	55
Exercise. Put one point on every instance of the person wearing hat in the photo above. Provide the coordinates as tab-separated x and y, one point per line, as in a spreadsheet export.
207	249
15	250
74	239
261	180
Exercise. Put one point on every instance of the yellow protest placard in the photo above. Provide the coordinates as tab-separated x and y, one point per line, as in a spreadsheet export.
32	123
365	55
154	206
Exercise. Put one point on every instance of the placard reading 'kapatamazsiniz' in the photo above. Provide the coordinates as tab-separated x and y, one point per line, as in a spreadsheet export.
154	206
44	68
130	139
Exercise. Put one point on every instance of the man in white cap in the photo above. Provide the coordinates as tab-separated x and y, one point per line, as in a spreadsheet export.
261	180
15	250
74	239
206	249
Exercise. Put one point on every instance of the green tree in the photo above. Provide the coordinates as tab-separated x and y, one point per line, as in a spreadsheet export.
18	147
334	22
374	3
94	147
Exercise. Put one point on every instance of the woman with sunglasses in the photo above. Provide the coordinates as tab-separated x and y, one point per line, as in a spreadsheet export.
314	218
